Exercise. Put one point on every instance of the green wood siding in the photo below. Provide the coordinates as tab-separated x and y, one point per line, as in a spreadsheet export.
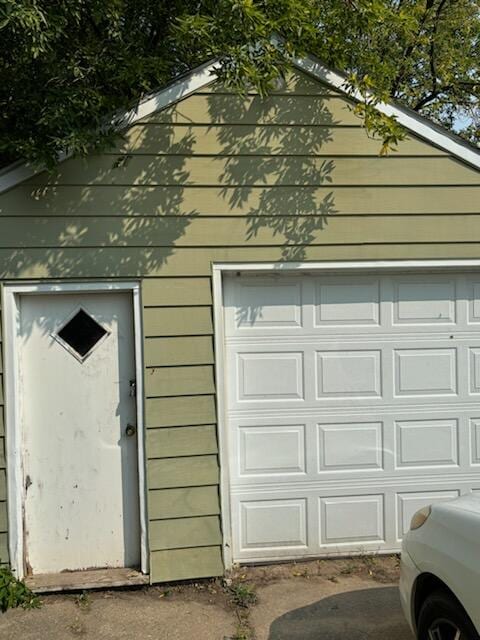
253	141
178	534
176	292
179	381
171	321
254	110
222	178
182	564
168	473
173	442
64	200
263	231
262	170
180	411
3	517
183	503
178	351
3	485
4	555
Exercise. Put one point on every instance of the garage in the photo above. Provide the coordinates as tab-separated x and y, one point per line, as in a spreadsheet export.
352	400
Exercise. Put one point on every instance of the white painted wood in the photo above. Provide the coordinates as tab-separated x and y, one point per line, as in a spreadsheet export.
221	406
14	448
80	468
360	401
363	266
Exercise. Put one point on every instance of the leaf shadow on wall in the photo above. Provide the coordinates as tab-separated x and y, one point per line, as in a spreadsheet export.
274	168
118	214
247	172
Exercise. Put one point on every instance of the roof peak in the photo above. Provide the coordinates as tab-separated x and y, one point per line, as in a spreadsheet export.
189	83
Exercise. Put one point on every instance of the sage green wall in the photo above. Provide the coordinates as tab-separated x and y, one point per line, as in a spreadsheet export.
223	178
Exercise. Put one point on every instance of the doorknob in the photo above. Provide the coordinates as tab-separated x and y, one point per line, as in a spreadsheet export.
130	430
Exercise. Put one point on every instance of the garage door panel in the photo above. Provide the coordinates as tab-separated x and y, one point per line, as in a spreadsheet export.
273	524
263	305
333	521
270	376
424	301
269	450
431	371
353	372
353	404
350	373
473	301
387	445
427	443
474	441
352	519
350	446
343	303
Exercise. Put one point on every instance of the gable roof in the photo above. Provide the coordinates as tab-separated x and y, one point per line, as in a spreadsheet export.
206	74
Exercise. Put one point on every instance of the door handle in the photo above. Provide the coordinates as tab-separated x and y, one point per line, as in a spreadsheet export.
130	430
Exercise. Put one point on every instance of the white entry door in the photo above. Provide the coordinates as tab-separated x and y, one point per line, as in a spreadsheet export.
353	401
76	373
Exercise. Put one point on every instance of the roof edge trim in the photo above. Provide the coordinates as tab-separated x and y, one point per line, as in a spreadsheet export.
411	120
205	74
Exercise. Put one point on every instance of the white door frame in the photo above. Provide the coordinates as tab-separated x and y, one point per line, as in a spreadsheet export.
13	401
218	270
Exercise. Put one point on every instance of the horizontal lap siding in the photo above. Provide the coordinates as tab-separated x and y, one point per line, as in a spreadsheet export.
265	170
260	231
237	201
182	451
222	178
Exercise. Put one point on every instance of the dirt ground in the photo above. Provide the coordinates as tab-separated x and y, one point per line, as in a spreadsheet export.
327	599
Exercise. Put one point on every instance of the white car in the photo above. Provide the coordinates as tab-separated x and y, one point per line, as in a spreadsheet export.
440	571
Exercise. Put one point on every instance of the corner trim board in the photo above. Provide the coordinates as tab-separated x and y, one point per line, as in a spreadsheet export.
11	325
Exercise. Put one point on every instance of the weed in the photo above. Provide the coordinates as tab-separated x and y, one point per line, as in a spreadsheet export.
243	594
348	569
78	628
83	601
15	593
301	572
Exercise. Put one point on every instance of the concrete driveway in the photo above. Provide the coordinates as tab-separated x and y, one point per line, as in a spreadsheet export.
363	614
325	600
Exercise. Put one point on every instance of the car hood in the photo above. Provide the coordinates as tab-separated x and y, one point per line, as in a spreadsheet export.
468	503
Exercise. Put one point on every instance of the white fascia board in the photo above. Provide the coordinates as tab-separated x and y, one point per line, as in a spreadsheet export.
205	74
409	119
174	92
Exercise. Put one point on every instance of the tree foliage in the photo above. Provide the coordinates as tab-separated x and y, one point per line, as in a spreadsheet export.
65	65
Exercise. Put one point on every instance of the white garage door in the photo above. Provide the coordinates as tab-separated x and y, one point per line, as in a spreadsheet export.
352	401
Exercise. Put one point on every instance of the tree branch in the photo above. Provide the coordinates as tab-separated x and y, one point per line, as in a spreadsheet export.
411	47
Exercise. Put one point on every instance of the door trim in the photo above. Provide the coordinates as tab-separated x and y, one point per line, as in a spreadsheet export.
277	268
13	402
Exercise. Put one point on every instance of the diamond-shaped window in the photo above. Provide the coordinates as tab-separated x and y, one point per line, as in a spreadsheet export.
81	334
